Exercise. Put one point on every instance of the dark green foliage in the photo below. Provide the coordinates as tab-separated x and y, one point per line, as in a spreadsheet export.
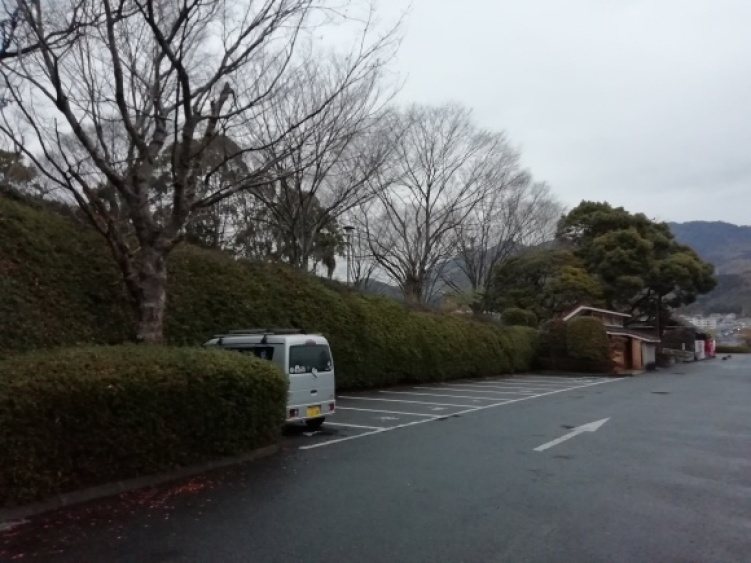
547	282
532	320
586	339
79	417
514	316
553	338
524	345
556	335
376	341
638	262
60	287
58	284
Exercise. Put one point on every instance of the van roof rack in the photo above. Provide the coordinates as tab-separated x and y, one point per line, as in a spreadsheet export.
271	330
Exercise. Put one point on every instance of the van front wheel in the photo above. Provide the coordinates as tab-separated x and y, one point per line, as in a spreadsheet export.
314	423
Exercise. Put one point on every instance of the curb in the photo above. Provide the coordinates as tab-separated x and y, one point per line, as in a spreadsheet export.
8	515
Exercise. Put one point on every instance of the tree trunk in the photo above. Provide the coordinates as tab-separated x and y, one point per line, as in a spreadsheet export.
152	297
413	290
658	324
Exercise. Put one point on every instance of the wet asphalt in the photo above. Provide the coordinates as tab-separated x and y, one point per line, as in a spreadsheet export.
666	478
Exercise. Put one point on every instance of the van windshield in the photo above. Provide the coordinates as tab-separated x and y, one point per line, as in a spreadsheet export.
304	359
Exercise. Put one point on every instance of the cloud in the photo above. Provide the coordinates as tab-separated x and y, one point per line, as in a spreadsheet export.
640	103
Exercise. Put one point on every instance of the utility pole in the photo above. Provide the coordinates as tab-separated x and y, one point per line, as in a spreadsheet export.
348	230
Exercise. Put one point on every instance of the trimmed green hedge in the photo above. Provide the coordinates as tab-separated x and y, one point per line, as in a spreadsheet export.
376	341
586	339
80	417
59	287
58	284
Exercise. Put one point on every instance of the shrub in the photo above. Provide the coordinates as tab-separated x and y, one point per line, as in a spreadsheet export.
79	417
532	320
586	339
553	339
515	317
524	345
60	288
725	349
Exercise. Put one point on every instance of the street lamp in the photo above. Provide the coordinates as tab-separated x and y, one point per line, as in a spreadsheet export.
348	229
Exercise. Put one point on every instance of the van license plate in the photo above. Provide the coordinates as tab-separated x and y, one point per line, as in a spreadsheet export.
314	411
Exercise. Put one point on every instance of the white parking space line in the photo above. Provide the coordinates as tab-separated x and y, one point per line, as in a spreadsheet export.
402	401
470	409
386	412
473	390
541	383
353	425
516	383
556	380
436	395
508	387
522	383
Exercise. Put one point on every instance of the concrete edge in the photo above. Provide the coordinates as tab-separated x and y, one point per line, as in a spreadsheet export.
20	513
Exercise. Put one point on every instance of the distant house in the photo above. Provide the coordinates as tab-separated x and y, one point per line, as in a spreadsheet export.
630	350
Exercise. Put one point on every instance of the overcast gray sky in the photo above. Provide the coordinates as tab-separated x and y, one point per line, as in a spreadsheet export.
642	103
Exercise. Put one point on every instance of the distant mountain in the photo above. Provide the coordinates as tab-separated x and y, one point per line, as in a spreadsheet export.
381	288
725	245
728	247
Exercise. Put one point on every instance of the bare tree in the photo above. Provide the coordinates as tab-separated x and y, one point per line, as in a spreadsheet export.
8	25
362	265
331	163
17	39
514	213
139	93
443	164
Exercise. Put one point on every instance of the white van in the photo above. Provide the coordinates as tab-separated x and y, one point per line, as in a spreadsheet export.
305	358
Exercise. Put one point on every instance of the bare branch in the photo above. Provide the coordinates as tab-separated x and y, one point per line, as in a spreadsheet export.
158	105
443	163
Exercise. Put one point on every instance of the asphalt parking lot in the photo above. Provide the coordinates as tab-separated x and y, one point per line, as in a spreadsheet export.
360	415
527	468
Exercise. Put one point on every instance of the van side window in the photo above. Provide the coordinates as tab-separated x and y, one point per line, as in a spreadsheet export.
263	352
304	359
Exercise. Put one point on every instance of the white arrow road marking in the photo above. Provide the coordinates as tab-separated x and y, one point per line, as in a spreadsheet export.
591	427
8	526
388	418
438	409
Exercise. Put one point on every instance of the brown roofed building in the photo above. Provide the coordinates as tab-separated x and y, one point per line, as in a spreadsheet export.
630	349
